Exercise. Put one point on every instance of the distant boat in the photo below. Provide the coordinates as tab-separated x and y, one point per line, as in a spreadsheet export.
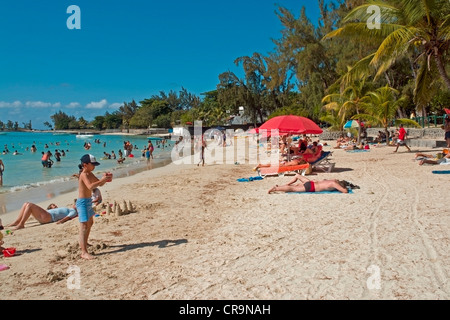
84	135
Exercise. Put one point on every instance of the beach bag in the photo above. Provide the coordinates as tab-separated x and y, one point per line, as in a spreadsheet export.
309	170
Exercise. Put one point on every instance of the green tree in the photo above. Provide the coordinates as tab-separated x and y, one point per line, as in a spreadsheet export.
48	124
98	122
127	111
62	121
381	107
417	29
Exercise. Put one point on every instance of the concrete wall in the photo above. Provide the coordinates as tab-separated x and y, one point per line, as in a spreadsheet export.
426	133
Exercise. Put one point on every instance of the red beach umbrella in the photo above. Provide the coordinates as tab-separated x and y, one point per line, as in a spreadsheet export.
447	111
291	124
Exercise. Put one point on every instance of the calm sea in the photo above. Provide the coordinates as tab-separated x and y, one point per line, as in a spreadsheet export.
25	179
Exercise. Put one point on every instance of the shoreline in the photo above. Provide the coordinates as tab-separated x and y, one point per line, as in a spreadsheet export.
50	192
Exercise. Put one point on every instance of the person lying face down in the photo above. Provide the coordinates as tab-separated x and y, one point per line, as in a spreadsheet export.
306	185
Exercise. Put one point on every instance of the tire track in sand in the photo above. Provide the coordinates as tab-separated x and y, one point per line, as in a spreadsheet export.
440	276
374	255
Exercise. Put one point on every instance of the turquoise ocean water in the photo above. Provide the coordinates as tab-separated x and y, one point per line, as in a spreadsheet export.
25	179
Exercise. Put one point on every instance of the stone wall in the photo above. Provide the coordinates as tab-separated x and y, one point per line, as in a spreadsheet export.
426	133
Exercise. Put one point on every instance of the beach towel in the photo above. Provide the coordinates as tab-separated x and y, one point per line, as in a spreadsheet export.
250	179
322	192
441	171
358	150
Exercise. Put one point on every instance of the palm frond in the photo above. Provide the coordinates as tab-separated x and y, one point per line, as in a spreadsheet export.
394	46
360	70
417	10
407	122
360	31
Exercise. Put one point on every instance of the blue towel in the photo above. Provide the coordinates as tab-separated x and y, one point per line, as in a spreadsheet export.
358	150
441	171
322	192
250	179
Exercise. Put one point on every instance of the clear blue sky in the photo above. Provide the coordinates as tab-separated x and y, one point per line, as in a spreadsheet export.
124	50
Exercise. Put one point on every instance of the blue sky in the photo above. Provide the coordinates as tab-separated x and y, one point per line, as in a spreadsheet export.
124	50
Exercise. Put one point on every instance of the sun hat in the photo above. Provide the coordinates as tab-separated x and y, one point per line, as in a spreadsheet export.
89	158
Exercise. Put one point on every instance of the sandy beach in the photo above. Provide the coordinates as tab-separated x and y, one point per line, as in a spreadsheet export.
198	233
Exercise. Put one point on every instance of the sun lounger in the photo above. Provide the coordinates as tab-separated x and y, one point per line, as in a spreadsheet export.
323	163
282	170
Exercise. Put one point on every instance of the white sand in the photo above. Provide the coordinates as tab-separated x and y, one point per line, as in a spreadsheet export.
198	233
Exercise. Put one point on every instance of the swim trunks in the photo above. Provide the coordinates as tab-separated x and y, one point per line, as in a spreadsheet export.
84	208
309	186
447	135
60	213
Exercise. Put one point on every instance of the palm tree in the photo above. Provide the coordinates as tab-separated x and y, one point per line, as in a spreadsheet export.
420	27
381	107
351	100
337	114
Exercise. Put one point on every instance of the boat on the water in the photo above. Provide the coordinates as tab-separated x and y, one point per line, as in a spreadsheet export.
84	135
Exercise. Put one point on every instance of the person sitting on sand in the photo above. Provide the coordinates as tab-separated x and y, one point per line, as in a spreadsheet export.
433	159
307	185
1	235
96	197
43	216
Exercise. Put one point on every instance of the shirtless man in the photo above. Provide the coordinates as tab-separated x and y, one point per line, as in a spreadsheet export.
2	168
307	185
87	182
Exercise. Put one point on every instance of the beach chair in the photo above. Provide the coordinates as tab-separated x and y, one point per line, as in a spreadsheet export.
282	170
323	163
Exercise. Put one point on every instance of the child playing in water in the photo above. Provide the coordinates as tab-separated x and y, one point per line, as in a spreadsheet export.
87	182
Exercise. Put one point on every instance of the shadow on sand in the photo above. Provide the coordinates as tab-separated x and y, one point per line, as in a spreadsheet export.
160	244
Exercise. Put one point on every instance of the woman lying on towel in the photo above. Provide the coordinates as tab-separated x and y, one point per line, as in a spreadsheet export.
439	158
307	185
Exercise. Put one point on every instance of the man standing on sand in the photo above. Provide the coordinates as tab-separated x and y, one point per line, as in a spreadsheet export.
401	138
2	168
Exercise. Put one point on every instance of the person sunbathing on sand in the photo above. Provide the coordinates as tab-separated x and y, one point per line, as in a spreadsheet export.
293	162
433	159
307	185
43	216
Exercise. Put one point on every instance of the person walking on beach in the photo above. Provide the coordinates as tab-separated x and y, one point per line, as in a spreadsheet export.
446	128
150	148
202	152
87	182
2	168
401	138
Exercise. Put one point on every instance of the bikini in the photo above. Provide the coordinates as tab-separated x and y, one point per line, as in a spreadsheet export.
309	186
